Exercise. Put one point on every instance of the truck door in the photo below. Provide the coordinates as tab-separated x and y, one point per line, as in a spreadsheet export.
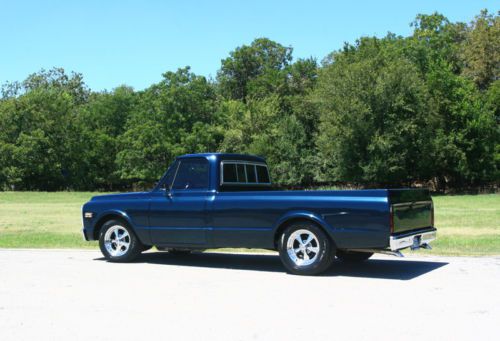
178	216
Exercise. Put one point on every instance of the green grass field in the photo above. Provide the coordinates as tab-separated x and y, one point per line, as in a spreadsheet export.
467	224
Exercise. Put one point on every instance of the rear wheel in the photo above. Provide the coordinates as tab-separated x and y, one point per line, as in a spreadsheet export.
305	249
353	256
118	243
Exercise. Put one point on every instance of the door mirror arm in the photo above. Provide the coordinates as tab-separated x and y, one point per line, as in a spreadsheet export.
168	191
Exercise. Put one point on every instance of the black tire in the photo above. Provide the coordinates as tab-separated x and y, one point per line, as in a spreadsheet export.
130	252
353	256
321	259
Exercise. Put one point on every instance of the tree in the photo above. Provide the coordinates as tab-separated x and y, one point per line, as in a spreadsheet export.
38	132
100	122
481	50
173	117
382	111
255	70
465	134
492	100
261	127
374	117
435	40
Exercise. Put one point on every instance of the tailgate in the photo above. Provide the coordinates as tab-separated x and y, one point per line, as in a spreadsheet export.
412	209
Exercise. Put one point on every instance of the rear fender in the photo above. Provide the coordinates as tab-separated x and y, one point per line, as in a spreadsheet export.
302	215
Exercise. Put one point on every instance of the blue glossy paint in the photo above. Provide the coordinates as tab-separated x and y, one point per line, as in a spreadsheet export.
217	217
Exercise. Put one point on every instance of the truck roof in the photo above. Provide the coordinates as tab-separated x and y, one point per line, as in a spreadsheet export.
225	156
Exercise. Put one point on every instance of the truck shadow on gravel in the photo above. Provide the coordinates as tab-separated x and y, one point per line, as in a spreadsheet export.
395	269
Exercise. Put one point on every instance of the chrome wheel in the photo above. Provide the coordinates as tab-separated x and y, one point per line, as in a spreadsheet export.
302	247
117	241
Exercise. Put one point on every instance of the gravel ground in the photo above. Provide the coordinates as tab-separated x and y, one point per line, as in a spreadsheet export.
76	295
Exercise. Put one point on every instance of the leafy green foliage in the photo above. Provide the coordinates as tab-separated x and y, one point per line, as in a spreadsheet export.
173	117
387	111
254	70
374	118
481	50
38	132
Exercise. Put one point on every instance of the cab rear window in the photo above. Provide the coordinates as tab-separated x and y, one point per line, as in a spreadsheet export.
262	174
229	173
244	173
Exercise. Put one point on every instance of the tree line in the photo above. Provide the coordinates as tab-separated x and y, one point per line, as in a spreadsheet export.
391	111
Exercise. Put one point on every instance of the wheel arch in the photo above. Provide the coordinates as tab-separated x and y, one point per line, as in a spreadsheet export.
118	215
295	217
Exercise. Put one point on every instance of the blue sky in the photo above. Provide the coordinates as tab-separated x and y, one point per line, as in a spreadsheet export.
134	42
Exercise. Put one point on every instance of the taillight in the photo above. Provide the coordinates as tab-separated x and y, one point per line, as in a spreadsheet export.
391	220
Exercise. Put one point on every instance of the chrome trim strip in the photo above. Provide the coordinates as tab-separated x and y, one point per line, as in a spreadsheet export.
411	203
398	243
175	176
238	167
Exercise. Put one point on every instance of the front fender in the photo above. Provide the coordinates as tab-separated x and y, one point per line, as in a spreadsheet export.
101	217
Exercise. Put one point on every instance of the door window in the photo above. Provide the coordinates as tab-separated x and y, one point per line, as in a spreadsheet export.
192	174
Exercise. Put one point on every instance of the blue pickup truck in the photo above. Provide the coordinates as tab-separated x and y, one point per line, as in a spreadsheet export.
218	200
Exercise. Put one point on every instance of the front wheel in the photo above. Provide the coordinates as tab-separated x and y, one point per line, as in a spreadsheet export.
118	242
305	249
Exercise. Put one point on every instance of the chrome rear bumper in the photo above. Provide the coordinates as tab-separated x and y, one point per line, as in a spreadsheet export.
414	240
